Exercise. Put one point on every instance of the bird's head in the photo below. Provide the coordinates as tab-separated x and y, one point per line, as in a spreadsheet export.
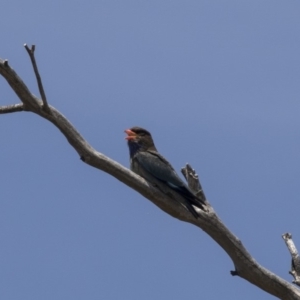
139	139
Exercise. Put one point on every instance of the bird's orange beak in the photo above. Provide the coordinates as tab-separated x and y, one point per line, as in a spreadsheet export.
130	135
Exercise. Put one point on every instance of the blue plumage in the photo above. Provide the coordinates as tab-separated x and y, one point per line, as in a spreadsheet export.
148	163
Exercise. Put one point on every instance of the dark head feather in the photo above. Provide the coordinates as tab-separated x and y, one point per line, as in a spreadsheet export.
140	131
139	139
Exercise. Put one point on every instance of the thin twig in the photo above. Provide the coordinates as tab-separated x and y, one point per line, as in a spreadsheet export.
11	108
37	75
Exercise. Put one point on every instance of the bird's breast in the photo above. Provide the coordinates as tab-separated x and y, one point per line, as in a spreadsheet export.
134	166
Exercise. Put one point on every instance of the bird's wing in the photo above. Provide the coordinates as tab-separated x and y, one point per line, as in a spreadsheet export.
159	167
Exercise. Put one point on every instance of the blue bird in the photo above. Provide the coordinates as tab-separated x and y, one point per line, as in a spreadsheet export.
148	163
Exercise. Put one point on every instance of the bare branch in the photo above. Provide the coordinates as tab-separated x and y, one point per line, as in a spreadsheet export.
295	272
245	266
37	75
11	108
193	181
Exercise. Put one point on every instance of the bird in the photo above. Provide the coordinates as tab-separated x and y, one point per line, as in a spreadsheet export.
147	162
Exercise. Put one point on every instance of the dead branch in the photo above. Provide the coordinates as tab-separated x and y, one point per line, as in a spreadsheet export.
245	266
30	52
11	108
295	271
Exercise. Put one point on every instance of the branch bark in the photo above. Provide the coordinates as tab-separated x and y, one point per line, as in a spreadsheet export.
295	271
244	264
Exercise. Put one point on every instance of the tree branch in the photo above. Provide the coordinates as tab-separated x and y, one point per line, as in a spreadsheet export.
193	181
11	108
245	266
295	272
30	52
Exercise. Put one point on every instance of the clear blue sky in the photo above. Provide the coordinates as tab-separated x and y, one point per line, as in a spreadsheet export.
217	84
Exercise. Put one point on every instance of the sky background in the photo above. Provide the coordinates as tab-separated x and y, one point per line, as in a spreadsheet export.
217	85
